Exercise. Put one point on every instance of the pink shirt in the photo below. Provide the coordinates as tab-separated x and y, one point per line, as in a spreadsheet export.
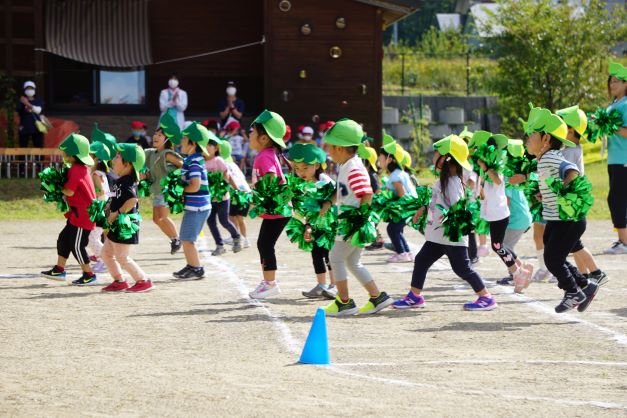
218	164
267	162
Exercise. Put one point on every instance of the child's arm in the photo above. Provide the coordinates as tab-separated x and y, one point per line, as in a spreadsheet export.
398	188
193	185
126	207
570	176
366	198
491	173
174	159
97	184
418	214
67	192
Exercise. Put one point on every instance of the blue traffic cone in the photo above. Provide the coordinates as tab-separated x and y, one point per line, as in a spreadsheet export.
316	350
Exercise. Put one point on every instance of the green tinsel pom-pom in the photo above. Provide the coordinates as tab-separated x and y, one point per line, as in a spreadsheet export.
491	156
603	123
172	188
98	214
143	188
125	226
358	224
573	200
218	187
269	197
457	220
52	182
532	188
519	165
240	198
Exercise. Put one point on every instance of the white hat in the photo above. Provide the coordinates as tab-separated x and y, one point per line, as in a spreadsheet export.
29	84
307	130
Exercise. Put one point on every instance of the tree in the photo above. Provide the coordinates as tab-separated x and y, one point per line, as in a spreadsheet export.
552	54
412	28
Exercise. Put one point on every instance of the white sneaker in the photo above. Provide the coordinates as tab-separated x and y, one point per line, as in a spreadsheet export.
264	290
410	257
541	275
99	267
245	243
617	248
483	251
228	240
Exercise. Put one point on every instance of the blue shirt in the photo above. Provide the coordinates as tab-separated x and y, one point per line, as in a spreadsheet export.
399	176
194	167
617	144
519	215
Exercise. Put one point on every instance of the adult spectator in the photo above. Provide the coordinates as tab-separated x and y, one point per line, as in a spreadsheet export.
173	100
29	108
231	107
138	135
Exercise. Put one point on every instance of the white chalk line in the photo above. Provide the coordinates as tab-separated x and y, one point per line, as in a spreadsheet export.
293	346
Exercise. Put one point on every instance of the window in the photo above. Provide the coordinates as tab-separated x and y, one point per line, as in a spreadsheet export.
122	87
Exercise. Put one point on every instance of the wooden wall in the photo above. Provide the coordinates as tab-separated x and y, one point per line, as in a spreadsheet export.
333	87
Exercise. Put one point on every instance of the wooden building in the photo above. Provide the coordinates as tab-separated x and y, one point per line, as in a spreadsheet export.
310	60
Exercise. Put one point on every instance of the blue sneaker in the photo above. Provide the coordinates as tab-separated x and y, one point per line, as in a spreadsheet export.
484	303
85	280
54	274
410	301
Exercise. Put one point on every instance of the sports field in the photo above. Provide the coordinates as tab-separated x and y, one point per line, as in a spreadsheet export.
204	349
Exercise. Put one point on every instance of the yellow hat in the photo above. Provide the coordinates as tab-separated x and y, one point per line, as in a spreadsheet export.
391	147
456	147
542	120
575	118
369	154
406	159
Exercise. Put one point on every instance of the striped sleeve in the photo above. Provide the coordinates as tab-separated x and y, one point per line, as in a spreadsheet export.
359	183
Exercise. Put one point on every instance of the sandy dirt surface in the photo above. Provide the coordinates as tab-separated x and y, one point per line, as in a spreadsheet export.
204	349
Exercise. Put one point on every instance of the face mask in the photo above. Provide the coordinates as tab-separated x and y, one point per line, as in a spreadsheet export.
30	92
173	83
231	91
137	133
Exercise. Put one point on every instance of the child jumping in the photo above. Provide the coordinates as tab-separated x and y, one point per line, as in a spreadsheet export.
100	154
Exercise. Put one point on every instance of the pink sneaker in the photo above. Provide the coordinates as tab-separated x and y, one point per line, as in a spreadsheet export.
522	277
397	258
529	268
483	251
409	257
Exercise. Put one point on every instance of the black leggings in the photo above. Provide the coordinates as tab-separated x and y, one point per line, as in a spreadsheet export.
268	235
560	237
320	258
617	196
497	236
457	256
73	239
472	245
221	210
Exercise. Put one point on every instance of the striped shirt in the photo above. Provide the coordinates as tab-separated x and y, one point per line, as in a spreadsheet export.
194	167
552	164
353	183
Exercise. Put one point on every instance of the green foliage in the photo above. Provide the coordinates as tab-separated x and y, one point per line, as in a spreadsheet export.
447	43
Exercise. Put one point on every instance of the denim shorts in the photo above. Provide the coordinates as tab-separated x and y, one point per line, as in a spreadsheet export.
192	224
158	200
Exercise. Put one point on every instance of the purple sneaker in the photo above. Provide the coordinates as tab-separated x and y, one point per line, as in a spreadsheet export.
410	301
484	303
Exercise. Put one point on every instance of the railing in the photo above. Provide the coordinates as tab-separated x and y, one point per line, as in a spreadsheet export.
27	162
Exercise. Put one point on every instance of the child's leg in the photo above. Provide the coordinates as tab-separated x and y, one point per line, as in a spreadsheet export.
191	226
458	257
338	255
160	218
428	254
241	225
121	252
268	235
512	236
223	216
483	240
497	235
95	243
65	242
108	256
80	249
583	258
317	257
472	246
353	263
213	225
559	238
404	244
394	232
329	270
191	253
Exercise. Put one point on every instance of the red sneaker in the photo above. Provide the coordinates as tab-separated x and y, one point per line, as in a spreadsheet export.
93	258
116	286
141	286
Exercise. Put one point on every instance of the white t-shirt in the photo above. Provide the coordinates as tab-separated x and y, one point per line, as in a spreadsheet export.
551	164
236	142
494	205
238	177
105	185
353	182
575	156
434	231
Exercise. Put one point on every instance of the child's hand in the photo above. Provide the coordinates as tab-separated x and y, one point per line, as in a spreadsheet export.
517	179
539	196
482	164
112	217
325	207
418	214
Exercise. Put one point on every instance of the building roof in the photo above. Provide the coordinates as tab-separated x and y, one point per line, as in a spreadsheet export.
394	10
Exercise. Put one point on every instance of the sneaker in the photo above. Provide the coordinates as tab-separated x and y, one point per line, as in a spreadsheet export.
338	308
599	278
506	281
237	245
483	251
374	246
617	248
93	258
116	286
228	241
399	258
54	274
590	291
330	292
218	251
175	245
541	275
552	279
191	273
245	243
99	267
522	278
474	260
410	257
265	290
141	286
571	300
409	301
376	304
388	246
86	280
181	272
315	293
484	303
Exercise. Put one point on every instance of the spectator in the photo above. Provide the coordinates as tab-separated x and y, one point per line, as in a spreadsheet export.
231	107
213	125
29	109
236	140
306	136
173	100
138	135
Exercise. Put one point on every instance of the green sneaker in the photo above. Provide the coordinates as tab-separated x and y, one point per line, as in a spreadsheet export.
337	308
374	305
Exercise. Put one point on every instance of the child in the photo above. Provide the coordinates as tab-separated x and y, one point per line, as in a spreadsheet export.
220	204
473	186
160	161
353	189
266	137
100	154
236	213
368	157
494	209
138	135
309	162
451	157
196	197
80	192
546	135
126	164
236	140
399	182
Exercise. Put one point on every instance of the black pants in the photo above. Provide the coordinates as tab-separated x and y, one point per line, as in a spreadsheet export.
320	258
560	237
497	236
457	256
617	196
38	139
221	210
268	235
73	239
472	245
395	232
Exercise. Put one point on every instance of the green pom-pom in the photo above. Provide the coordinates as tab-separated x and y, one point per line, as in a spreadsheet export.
358	224
269	197
299	189
98	214
240	198
603	123
172	187
295	231
143	188
218	187
457	220
532	188
52	182
519	165
491	156
314	199
573	200
125	226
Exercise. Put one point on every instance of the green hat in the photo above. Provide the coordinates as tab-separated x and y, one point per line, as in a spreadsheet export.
77	146
106	138
575	118
197	133
456	147
133	154
274	125
225	151
617	70
466	135
542	120
171	129
368	153
516	147
390	146
100	150
345	133
479	138
308	154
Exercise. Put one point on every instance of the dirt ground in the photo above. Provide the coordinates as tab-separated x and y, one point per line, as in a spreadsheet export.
204	349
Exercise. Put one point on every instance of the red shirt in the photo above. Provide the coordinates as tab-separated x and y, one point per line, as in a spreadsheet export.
79	181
